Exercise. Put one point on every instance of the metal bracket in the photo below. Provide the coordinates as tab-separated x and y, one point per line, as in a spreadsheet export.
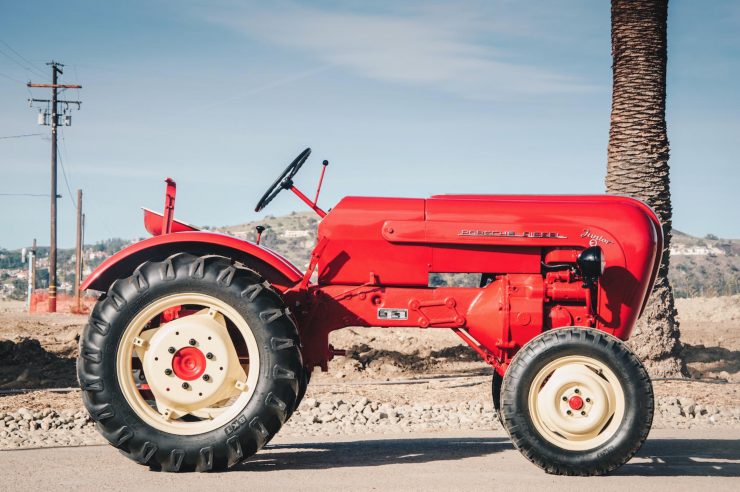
425	321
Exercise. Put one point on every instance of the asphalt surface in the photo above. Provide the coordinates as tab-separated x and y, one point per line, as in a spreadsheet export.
670	460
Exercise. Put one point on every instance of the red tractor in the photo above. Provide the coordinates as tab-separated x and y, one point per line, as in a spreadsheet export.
203	344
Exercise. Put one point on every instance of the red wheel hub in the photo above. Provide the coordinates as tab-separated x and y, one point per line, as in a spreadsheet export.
189	363
575	402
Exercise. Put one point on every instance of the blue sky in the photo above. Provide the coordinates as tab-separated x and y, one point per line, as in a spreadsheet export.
404	99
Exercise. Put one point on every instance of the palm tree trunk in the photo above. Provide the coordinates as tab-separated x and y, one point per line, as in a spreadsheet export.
638	159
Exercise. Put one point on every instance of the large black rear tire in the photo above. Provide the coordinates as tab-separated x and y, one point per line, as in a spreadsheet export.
561	399
280	364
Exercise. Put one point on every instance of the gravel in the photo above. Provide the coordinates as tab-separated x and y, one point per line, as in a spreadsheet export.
331	415
685	413
43	428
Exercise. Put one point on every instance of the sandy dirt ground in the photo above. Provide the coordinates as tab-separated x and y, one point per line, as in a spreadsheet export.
408	371
39	351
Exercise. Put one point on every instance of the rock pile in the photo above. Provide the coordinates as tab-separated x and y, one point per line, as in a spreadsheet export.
331	416
683	412
29	429
362	416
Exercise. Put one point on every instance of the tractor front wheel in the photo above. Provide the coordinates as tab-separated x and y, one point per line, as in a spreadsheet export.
576	401
192	363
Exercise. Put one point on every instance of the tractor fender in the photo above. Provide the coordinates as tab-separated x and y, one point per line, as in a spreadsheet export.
274	268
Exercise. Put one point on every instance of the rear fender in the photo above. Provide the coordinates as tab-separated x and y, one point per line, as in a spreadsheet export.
274	268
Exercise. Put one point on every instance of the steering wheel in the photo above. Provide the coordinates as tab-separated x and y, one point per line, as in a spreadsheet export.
284	182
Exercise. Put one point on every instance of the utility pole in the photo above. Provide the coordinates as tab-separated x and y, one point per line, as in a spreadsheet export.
32	275
31	264
78	253
56	70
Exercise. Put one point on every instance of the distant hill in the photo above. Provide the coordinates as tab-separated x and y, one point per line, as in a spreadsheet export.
293	235
700	267
707	266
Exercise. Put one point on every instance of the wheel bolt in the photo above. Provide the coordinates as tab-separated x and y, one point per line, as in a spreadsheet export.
171	350
185	385
206	377
209	355
565	398
588	400
569	412
577	391
168	371
583	412
192	341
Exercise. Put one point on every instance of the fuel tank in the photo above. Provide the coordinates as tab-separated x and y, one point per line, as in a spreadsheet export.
399	242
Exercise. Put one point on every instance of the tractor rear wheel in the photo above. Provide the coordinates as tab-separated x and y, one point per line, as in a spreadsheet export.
192	363
576	401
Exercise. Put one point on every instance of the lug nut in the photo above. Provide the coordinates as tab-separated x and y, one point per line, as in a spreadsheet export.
206	377
171	350
577	390
192	341
569	412
168	371
583	412
565	398
588	400
185	385
209	355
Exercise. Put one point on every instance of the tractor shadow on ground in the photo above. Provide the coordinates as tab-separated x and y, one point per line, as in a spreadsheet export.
685	458
362	453
657	458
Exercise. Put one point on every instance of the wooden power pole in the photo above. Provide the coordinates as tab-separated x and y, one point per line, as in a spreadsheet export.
56	70
32	276
78	254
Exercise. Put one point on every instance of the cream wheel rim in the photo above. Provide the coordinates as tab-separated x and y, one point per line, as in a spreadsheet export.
185	376
576	403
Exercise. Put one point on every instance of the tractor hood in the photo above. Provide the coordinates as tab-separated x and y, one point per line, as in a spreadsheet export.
399	242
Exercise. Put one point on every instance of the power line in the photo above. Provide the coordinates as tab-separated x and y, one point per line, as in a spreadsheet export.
29	62
21	136
12	78
24	67
25	194
66	182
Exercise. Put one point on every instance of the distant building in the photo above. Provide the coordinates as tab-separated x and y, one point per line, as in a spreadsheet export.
685	250
294	234
94	255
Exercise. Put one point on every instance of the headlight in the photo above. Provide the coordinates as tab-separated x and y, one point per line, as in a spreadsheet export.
591	263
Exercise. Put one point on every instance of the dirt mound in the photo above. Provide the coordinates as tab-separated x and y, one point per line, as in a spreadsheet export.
26	364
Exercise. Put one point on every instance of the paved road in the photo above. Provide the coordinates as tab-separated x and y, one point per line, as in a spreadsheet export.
670	460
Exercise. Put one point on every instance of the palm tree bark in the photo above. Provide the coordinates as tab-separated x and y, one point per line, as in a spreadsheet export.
638	159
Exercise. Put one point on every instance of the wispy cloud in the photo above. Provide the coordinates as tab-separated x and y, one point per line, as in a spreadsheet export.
252	91
438	47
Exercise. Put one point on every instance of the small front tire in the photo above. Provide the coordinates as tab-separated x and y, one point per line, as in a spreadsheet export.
577	401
